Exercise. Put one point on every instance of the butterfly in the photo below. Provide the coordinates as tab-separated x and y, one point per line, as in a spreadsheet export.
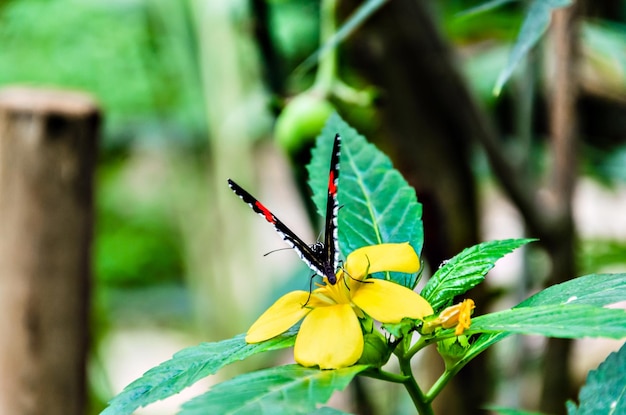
321	257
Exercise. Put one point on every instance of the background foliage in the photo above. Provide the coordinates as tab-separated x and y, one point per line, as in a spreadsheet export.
190	92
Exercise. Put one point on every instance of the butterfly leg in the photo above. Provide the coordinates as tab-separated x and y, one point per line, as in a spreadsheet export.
354	279
310	290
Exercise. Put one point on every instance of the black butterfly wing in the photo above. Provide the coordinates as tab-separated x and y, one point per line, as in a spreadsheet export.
304	251
331	244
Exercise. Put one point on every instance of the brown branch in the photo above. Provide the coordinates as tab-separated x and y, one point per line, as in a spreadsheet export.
557	384
563	105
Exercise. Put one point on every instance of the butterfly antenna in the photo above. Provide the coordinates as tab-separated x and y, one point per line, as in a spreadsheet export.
320	235
276	250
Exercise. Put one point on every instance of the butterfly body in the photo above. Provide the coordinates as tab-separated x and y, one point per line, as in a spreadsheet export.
321	257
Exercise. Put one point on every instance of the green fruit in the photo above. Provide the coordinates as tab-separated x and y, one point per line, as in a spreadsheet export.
453	349
376	351
301	121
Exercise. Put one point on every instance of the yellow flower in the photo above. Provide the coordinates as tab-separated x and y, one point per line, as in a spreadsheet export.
458	315
330	335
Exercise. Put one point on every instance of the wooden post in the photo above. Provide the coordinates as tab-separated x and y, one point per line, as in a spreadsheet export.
48	142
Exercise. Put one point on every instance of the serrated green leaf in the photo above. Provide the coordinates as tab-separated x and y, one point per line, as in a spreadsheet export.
593	289
605	389
187	367
534	26
560	320
377	204
290	389
466	270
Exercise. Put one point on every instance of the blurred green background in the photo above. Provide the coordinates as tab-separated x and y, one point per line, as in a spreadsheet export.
190	92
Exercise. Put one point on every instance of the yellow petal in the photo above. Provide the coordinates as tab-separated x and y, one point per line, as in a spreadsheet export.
458	314
384	257
389	302
277	319
329	337
465	314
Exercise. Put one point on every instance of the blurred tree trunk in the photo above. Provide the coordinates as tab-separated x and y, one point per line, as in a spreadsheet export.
429	120
560	243
226	280
47	156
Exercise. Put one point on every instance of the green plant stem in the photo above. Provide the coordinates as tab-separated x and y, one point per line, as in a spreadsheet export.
327	68
419	345
384	375
417	396
351	95
327	80
439	385
444	379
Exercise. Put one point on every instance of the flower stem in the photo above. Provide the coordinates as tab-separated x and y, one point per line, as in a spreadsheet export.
438	386
419	345
327	68
442	382
383	375
417	396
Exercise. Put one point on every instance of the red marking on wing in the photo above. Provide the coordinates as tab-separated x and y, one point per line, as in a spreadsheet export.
268	215
332	189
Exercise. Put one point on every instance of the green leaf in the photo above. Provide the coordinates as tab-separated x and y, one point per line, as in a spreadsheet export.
466	270
482	343
401	329
187	367
591	290
376	204
534	26
560	320
510	411
290	389
594	289
605	390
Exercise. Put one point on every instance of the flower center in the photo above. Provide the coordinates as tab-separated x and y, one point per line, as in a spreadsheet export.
338	293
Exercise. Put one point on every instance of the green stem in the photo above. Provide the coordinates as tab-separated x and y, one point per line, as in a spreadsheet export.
327	68
419	345
417	396
445	377
427	340
384	375
351	95
438	386
443	381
